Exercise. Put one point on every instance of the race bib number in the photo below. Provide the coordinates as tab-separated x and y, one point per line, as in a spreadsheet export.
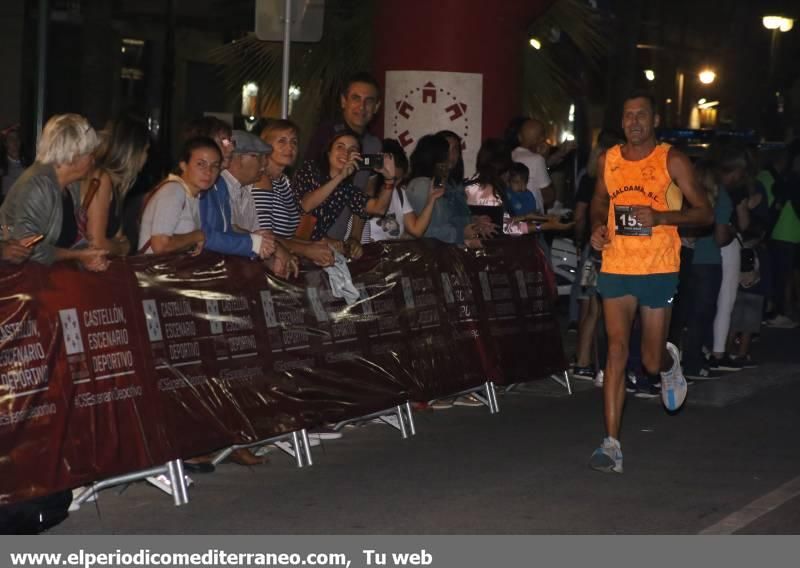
627	223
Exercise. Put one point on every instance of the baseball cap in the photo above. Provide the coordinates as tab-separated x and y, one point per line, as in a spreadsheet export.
246	143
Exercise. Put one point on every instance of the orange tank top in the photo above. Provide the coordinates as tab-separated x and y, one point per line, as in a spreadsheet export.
634	249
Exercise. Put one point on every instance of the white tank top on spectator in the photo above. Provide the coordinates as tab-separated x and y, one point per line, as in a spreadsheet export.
391	225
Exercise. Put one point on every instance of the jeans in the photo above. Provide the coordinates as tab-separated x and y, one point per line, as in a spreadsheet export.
706	280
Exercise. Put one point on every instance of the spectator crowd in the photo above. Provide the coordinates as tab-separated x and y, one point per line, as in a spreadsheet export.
244	193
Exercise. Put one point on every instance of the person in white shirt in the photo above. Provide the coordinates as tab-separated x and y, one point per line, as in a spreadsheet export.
400	221
171	218
527	134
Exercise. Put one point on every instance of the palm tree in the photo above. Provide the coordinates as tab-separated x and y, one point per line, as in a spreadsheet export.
573	45
319	68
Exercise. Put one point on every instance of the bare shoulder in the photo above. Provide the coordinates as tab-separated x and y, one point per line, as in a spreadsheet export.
678	162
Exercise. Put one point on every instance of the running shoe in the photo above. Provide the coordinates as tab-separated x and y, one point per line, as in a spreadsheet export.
608	457
645	389
746	361
673	383
324	433
781	322
631	382
703	374
468	400
583	373
442	404
724	363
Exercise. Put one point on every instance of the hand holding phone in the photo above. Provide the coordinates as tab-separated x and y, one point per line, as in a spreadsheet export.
30	241
371	162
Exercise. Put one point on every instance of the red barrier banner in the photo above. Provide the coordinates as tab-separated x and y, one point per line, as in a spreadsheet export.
516	296
171	357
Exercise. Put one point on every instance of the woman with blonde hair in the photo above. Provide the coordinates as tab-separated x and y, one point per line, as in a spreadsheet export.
40	208
118	160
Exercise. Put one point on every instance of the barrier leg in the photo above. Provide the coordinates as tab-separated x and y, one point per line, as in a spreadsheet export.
222	456
306	446
410	416
298	454
392	416
489	401
493	398
177	479
564	382
401	421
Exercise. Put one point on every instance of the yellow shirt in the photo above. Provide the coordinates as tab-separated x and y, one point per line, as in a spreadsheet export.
637	250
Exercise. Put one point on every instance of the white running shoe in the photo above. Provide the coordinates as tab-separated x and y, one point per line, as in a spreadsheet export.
608	457
673	383
782	322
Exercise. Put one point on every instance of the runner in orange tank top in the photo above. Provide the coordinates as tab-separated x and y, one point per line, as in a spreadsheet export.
635	212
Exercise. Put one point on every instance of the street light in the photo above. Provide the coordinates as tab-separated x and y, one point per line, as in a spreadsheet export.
535	43
778	23
650	75
707	76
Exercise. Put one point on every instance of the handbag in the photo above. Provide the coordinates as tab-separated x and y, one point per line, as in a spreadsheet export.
306	227
82	212
749	268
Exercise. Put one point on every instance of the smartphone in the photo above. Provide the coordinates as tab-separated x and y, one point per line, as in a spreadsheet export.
371	162
30	241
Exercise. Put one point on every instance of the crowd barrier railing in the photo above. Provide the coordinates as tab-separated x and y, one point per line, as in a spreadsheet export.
114	375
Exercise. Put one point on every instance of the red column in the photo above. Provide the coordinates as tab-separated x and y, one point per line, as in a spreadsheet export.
467	36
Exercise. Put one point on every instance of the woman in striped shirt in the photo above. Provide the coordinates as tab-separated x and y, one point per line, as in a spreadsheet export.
275	199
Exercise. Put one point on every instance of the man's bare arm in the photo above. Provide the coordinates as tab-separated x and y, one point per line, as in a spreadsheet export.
700	212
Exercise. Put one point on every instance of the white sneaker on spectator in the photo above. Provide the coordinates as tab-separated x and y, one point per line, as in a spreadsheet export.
324	433
782	322
598	379
468	400
260	451
442	404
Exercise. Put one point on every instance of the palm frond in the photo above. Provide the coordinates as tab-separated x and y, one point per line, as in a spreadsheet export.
317	68
574	42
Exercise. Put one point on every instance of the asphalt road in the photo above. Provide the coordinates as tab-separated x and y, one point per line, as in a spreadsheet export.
729	462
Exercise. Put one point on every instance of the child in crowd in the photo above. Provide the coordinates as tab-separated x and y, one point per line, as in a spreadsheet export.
521	202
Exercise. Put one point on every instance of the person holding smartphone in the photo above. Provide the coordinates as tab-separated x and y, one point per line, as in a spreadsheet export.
18	251
325	187
400	220
40	209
